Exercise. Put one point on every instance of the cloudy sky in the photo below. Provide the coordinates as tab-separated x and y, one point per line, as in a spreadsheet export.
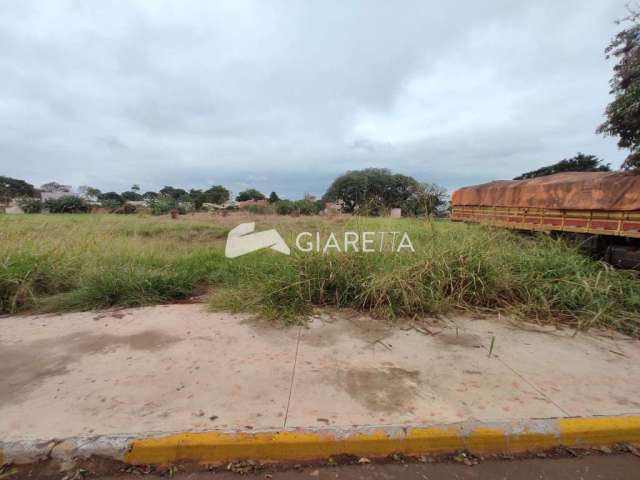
285	95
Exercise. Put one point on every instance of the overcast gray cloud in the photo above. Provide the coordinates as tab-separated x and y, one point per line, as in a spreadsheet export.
285	95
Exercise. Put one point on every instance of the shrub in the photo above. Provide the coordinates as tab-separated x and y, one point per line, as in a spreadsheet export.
259	209
161	205
126	209
66	204
30	205
185	207
111	205
307	207
284	207
303	207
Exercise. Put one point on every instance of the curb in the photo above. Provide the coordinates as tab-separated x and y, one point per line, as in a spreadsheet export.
517	436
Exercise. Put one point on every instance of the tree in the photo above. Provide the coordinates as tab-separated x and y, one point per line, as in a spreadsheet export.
149	195
371	190
217	194
11	188
623	113
55	187
250	194
135	188
429	200
131	196
175	193
66	204
273	197
579	163
88	192
112	197
197	197
30	205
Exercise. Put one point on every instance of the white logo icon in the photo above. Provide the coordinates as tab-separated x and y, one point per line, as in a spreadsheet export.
241	241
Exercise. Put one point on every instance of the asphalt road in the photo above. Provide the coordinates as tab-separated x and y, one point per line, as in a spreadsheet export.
589	467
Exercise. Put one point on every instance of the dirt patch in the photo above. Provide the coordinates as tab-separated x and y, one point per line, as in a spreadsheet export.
24	366
382	390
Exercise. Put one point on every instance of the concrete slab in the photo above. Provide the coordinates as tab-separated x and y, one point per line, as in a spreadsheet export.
360	371
595	373
139	370
179	368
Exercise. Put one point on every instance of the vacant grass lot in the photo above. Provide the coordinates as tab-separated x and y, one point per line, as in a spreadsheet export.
78	262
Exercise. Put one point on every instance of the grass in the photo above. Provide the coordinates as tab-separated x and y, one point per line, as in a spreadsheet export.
80	262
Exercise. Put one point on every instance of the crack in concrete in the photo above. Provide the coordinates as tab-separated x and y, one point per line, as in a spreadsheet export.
531	384
293	376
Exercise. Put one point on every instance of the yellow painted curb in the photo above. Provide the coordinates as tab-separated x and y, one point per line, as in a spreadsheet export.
309	444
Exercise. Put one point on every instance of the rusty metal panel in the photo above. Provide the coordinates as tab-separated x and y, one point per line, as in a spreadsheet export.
617	223
590	191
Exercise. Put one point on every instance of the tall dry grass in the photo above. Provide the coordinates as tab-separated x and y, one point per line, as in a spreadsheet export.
79	262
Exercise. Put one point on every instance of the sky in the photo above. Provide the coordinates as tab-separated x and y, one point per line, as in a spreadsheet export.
286	95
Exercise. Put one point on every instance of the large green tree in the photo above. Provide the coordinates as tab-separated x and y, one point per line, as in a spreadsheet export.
623	113
13	188
371	190
174	193
579	163
131	196
250	194
217	194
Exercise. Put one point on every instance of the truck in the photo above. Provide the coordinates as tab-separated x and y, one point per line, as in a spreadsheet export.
601	210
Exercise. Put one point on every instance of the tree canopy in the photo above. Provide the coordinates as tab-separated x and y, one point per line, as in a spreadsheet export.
623	113
216	194
579	163
13	188
175	193
110	197
55	187
250	194
89	192
131	196
371	190
273	197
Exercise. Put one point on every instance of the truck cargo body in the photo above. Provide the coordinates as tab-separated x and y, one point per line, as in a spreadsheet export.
595	222
602	209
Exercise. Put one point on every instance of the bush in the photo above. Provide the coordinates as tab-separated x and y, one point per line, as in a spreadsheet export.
66	204
259	209
185	207
284	207
161	206
307	207
302	207
111	205
126	209
30	205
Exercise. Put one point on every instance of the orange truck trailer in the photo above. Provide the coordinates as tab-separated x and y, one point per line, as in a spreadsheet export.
602	209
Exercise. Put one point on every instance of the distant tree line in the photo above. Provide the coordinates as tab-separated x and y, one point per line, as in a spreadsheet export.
372	191
579	163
